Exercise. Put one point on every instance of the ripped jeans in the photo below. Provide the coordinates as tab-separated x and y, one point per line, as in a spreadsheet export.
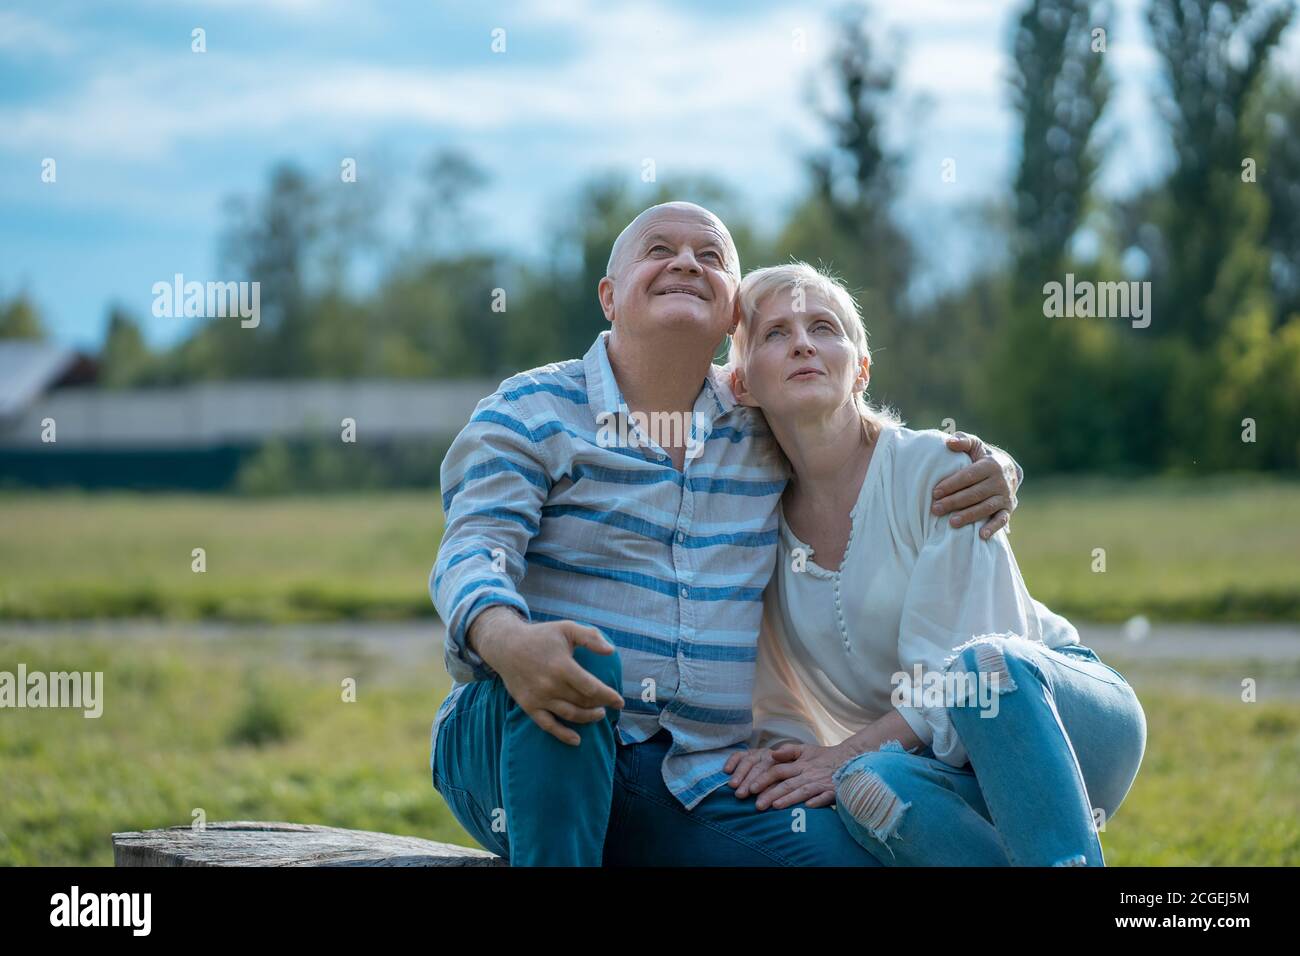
1044	776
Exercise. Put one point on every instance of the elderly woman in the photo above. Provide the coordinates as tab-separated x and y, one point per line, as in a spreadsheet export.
905	674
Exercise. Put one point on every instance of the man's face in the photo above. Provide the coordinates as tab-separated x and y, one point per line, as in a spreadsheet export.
675	270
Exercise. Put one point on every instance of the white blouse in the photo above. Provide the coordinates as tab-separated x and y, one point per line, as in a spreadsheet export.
910	590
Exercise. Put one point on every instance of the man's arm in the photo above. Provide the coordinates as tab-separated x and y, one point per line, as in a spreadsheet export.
495	481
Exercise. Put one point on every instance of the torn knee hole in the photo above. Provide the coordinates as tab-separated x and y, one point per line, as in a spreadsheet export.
871	802
991	661
990	667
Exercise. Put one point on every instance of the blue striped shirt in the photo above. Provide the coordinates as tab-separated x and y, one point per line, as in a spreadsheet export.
547	516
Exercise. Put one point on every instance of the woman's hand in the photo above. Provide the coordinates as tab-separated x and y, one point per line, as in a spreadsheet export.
799	773
746	766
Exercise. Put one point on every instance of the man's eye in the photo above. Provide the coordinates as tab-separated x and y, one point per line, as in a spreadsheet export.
660	248
716	257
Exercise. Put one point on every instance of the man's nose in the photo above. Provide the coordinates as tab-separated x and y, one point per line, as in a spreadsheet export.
685	261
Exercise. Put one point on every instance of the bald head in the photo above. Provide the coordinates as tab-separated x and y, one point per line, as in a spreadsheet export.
677	210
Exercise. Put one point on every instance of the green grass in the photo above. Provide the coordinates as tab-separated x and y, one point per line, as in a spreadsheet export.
234	729
1214	550
1219	780
70	556
1217	787
249	729
1221	549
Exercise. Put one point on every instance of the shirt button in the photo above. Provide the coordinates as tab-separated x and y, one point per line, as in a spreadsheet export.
685	591
681	536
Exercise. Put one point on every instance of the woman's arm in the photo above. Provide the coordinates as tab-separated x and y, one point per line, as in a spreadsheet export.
961	587
891	726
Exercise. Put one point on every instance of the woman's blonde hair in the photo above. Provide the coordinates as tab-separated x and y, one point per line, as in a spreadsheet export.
759	284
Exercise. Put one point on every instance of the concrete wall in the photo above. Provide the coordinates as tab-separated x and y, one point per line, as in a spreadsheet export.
241	413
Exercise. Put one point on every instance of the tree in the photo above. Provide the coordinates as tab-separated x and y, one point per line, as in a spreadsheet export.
20	319
1213	55
1059	89
1066	394
125	359
450	179
848	220
271	241
1279	175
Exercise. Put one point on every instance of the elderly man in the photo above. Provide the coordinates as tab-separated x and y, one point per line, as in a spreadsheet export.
603	597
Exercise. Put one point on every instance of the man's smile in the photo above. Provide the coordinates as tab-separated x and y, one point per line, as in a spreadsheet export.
680	289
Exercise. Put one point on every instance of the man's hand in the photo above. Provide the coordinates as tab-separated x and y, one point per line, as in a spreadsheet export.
799	773
985	489
535	661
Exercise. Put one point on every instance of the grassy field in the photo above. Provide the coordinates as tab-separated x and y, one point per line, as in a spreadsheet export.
1225	549
233	729
66	556
248	728
1220	550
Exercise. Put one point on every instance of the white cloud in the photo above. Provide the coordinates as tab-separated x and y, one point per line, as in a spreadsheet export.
282	6
695	90
681	71
22	35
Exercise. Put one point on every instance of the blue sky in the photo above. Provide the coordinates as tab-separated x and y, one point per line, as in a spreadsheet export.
149	137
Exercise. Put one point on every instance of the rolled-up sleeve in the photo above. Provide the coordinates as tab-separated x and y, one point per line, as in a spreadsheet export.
494	482
961	587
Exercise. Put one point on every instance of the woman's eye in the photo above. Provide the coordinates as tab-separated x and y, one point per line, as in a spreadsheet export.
820	326
771	332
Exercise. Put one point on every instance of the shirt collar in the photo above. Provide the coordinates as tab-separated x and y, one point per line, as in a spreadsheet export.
604	395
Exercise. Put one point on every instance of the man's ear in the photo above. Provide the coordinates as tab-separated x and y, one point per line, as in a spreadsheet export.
605	293
736	314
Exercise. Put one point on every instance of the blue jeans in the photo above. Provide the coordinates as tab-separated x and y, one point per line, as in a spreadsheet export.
1052	765
538	802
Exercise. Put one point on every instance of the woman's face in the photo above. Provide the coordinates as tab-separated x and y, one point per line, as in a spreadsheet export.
800	362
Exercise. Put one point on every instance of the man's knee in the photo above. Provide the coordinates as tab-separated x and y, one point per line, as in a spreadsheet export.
608	668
